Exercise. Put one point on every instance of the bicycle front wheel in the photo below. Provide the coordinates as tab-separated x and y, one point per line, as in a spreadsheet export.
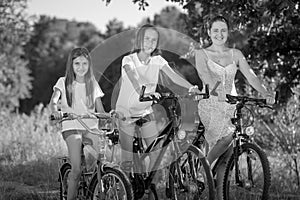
114	186
251	179
190	177
63	181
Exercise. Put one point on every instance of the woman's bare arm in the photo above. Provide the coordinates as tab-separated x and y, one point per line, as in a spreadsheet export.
201	66
249	74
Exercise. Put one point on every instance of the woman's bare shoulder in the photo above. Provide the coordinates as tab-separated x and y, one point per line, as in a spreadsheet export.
200	53
237	53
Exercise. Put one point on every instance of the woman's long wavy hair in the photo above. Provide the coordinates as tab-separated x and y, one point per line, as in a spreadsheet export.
89	78
139	40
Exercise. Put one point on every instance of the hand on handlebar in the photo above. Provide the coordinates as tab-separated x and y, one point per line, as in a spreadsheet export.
270	99
194	89
56	115
114	114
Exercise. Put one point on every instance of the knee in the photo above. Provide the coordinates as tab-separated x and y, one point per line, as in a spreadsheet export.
75	173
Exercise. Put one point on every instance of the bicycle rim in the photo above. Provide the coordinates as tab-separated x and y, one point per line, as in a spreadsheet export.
190	177
114	186
254	177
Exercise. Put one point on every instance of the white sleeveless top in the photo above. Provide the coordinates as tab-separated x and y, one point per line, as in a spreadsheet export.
128	100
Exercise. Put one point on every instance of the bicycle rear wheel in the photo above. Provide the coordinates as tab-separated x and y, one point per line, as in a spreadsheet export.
115	186
190	177
253	179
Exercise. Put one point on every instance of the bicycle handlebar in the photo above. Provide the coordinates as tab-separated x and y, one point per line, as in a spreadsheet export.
168	95
72	116
244	99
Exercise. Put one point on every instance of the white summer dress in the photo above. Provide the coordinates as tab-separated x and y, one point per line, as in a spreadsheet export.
214	112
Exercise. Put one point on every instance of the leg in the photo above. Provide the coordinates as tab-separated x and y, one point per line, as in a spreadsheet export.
126	140
149	133
74	148
218	149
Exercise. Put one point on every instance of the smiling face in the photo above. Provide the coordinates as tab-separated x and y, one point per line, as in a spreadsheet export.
150	41
218	33
80	67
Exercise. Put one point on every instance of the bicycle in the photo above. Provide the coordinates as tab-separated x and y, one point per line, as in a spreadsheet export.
185	178
105	180
242	174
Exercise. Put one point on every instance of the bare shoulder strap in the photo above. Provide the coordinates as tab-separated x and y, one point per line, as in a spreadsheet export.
205	53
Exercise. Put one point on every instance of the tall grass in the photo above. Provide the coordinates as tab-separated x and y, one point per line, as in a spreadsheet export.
28	148
29	138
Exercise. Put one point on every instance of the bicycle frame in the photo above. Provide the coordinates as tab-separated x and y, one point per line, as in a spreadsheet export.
87	177
239	137
166	137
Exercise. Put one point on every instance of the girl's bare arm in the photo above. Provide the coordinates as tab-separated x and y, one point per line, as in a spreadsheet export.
98	105
133	77
176	78
54	100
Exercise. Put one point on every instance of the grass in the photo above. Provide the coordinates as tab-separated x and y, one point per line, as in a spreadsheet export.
34	180
29	168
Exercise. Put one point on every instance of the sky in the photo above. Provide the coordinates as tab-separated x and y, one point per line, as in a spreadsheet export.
96	11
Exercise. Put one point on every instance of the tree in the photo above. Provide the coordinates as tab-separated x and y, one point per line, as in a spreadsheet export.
266	31
113	27
171	17
15	76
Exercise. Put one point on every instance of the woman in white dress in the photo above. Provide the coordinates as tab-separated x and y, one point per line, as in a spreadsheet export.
217	66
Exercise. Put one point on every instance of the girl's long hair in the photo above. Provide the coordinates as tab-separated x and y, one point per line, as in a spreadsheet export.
139	40
89	78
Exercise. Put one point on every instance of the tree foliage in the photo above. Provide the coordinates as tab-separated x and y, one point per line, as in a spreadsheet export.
266	31
15	31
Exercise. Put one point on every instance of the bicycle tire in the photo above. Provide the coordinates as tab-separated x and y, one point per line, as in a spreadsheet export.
247	188
197	173
63	179
122	181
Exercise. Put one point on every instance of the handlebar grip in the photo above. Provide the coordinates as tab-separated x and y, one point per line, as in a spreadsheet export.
52	117
62	116
142	93
276	97
206	91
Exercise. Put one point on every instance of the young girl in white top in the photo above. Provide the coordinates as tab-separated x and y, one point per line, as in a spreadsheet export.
142	67
80	94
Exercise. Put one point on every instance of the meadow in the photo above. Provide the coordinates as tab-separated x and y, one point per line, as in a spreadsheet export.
29	148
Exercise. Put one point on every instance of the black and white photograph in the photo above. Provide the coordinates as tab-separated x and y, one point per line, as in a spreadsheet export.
149	100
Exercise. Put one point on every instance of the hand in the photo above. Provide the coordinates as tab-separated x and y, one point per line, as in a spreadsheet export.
57	115
194	89
155	94
270	99
113	113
